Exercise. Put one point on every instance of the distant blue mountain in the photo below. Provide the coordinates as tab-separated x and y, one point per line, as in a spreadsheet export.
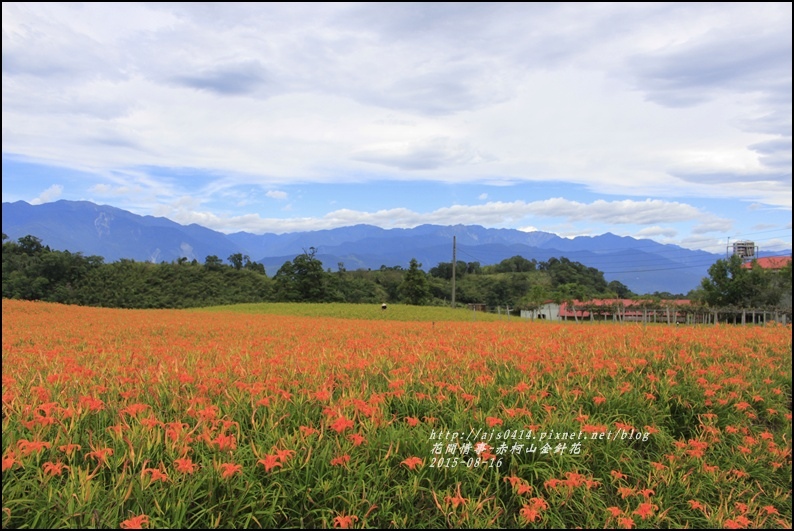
645	266
82	226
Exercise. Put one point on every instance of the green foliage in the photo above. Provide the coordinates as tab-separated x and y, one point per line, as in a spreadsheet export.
563	271
415	288
516	264
213	263
389	279
534	299
622	291
303	279
33	271
724	284
444	269
237	260
731	284
357	287
506	289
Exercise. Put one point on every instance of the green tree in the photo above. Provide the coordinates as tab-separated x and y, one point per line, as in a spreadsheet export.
563	271
357	286
473	268
254	266
303	279
515	264
389	279
213	263
30	245
444	270
725	284
415	288
620	290
237	260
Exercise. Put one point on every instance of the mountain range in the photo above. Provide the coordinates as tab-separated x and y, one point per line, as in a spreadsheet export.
645	266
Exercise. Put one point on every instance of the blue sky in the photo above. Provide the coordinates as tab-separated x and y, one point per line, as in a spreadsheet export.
669	121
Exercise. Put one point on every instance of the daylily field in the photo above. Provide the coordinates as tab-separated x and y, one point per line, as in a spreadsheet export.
349	416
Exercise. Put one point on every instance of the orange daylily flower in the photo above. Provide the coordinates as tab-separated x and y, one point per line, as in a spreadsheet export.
100	455
341	424
530	514
539	503
185	465
523	489
270	461
157	474
284	454
345	522
645	510
230	469
307	430
412	462
626	492
54	469
740	522
694	504
514	480
493	421
69	449
340	461
136	522
28	447
357	439
455	500
626	522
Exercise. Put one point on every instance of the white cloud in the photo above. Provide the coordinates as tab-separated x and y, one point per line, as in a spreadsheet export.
648	212
276	194
528	228
667	101
365	89
48	195
656	231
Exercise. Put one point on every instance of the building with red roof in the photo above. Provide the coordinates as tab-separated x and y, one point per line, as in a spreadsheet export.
625	310
769	262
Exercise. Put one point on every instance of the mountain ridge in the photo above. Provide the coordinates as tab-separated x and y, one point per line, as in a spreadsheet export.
645	266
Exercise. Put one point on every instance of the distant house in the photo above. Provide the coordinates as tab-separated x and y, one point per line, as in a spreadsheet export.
769	262
548	310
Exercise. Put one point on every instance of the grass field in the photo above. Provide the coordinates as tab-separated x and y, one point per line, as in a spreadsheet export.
394	312
349	416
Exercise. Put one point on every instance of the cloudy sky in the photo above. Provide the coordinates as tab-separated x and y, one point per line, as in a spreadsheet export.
669	121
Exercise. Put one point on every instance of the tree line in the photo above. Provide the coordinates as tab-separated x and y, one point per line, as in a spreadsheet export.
33	271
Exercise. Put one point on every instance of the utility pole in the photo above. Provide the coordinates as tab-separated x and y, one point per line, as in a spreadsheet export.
454	263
